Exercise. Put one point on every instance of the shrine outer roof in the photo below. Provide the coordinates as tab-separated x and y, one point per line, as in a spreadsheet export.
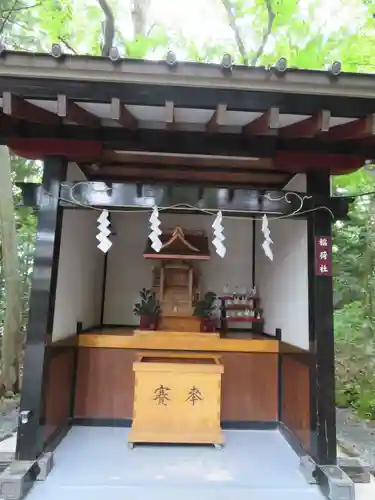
100	69
137	120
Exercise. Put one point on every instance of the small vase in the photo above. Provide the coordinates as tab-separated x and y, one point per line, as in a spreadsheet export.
208	325
148	322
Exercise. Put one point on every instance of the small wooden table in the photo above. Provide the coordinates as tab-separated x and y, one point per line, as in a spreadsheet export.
177	398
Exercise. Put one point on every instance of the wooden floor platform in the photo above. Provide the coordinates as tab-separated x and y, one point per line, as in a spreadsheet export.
125	338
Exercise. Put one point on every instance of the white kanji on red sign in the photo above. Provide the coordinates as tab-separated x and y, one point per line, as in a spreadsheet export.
323	242
323	268
323	255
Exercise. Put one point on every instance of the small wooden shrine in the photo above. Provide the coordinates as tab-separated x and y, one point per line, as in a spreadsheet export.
176	278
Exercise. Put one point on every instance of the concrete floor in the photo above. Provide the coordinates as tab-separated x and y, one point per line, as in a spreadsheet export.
94	463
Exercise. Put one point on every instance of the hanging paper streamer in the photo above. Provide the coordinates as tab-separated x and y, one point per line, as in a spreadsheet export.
218	235
104	242
267	240
155	230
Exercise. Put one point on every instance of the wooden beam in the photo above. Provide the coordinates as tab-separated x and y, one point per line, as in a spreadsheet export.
357	129
74	113
121	114
216	120
181	142
195	161
308	128
300	161
266	124
75	150
170	120
5	120
256	168
221	178
23	110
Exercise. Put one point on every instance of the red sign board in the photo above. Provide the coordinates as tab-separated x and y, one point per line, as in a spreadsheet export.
323	256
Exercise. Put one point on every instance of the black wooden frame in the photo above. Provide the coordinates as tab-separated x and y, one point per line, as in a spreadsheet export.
187	142
30	438
321	334
147	94
251	202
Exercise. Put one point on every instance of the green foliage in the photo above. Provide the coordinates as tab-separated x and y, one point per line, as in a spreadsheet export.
34	26
354	270
205	307
24	171
355	371
148	306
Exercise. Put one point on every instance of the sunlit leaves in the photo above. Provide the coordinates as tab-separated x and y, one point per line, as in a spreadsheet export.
144	46
55	19
285	11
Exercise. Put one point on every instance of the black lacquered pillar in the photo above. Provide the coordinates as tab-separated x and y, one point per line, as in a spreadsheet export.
322	373
30	438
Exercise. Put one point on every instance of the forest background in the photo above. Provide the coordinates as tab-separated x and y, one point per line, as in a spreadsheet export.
309	33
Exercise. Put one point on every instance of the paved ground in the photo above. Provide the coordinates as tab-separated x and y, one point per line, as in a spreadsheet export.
93	463
355	436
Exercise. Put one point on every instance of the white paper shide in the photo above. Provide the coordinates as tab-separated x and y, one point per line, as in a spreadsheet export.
154	220
104	242
267	240
218	235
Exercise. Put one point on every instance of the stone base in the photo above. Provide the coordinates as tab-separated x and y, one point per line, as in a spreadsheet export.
17	479
45	463
339	484
355	468
308	467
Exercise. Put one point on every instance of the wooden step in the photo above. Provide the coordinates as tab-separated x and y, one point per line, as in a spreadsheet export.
180	323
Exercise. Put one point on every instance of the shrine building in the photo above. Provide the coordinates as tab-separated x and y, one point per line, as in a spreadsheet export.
180	339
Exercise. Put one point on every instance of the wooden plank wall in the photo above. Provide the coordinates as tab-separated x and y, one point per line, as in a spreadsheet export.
105	381
59	379
295	394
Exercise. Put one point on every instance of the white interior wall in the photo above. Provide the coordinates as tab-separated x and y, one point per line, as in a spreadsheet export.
128	271
283	282
297	183
80	274
74	173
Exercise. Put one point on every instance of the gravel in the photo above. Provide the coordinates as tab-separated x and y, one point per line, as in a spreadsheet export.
356	436
8	418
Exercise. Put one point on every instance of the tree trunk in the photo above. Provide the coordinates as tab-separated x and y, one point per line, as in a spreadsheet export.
230	8
109	27
12	278
139	9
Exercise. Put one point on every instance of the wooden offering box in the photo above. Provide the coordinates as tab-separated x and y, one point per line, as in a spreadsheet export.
177	399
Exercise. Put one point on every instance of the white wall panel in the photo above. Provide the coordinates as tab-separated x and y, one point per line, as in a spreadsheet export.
297	183
283	283
74	173
80	274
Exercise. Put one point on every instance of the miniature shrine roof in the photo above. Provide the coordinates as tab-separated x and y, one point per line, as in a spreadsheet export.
179	244
137	121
